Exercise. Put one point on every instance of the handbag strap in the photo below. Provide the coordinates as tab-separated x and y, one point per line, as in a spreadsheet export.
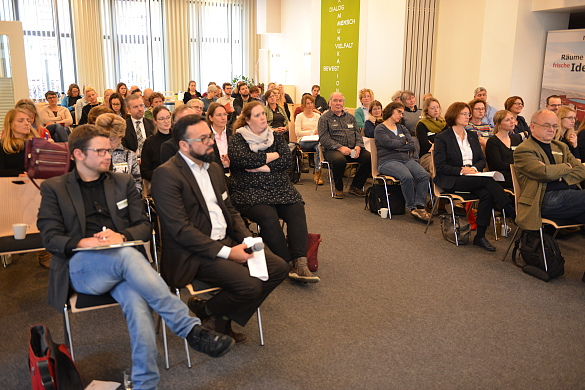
46	377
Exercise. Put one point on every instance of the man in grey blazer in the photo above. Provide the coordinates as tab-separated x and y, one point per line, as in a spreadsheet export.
202	232
138	128
92	207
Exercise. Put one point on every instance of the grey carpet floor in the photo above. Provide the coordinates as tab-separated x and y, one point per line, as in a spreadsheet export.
395	309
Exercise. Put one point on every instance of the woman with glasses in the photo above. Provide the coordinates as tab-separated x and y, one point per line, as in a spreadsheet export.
217	119
55	118
566	130
275	114
482	129
123	160
150	158
515	104
118	105
374	118
261	189
499	151
458	157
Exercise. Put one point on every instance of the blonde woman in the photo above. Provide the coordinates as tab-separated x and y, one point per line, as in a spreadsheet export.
362	113
306	125
91	98
499	150
566	131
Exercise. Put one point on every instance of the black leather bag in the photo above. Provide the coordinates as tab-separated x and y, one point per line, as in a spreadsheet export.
530	248
463	229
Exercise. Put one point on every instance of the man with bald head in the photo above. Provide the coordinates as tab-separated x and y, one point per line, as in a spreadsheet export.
549	176
342	143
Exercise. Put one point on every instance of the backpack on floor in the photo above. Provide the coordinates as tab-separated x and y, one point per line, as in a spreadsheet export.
50	364
530	248
294	171
376	199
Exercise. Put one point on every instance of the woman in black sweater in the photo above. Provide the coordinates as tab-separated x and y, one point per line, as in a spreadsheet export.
499	150
150	159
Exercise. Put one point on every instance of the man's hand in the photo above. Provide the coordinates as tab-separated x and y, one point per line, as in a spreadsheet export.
468	170
344	150
357	151
238	255
89	242
108	237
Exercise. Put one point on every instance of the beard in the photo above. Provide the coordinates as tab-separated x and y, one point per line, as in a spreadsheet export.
208	157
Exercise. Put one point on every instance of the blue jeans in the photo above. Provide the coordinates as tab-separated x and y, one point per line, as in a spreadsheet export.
413	178
564	204
312	146
136	286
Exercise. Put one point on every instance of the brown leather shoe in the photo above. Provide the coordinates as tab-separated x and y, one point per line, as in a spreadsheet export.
317	178
197	306
356	191
218	324
338	194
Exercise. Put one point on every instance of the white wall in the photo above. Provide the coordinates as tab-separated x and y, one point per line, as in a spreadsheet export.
500	48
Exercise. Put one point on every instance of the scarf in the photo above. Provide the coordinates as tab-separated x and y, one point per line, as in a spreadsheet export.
258	142
434	126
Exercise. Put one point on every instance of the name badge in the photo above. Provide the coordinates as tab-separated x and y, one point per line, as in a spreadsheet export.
513	147
121	167
557	153
429	134
349	126
402	135
122	204
224	195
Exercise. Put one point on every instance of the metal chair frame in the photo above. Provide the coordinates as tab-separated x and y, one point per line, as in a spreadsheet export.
354	165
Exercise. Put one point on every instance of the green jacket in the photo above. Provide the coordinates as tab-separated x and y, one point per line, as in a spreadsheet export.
534	171
270	115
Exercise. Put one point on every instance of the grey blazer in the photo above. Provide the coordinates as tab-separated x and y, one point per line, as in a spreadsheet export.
62	217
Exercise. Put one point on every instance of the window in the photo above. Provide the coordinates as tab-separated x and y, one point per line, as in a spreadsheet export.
48	41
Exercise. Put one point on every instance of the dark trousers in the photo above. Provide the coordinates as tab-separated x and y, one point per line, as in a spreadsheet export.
338	161
487	190
267	215
241	293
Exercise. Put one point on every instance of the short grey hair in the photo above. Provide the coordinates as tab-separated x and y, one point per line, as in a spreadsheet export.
478	90
540	112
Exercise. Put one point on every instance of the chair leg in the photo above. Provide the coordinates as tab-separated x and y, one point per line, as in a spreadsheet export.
511	242
543	250
68	338
433	211
495	226
387	199
178	292
454	222
260	326
165	345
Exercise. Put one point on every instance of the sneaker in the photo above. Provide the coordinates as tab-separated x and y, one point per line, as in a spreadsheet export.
338	194
301	273
209	342
421	214
356	191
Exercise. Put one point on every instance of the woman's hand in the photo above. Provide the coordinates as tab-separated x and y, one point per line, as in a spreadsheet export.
279	129
272	156
263	168
483	141
225	160
468	171
573	139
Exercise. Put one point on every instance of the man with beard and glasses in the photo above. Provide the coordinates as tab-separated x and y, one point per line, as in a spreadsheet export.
202	232
243	99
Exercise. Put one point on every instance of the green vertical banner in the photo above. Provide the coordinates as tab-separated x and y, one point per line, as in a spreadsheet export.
340	26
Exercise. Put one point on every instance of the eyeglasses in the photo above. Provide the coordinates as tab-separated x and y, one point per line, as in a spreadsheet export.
101	152
571	118
165	118
465	114
479	109
206	139
547	126
555	105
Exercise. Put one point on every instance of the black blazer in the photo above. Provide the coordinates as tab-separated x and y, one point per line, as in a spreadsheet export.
62	217
448	159
130	141
186	225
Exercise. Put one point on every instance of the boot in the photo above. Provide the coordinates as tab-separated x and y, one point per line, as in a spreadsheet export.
317	178
223	326
300	272
44	259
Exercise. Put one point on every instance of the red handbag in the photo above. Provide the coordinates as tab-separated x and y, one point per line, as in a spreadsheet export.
44	159
50	364
313	242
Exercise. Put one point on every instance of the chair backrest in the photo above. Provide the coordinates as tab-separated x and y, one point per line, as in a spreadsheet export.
374	158
515	185
321	154
292	135
436	189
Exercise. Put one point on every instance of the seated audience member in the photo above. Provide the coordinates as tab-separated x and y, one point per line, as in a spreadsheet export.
92	101
481	94
235	93
146	97
549	176
581	139
396	96
395	146
56	119
118	105
275	114
169	148
283	100
17	130
499	151
427	95
137	91
33	117
203	233
71	98
553	103
243	98
255	92
80	104
320	102
412	113
458	157
306	124
97	111
362	113
227	100
476	123
284	95
197	105
107	94
566	130
138	128
374	118
515	104
123	160
342	142
150	159
261	189
154	99
122	89
427	128
217	119
210	97
122	272
191	92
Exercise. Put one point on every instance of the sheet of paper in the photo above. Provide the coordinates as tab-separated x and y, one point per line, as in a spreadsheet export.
495	174
257	264
308	138
120	245
101	385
